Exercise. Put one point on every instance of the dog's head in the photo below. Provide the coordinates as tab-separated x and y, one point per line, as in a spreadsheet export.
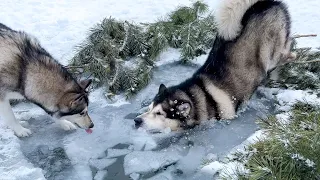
170	108
73	106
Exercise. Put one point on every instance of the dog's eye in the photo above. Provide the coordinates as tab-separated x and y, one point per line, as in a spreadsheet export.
158	113
82	113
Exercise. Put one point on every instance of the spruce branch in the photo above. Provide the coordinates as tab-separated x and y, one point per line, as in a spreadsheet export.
120	54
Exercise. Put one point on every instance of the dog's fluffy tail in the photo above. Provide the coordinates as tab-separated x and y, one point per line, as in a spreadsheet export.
229	17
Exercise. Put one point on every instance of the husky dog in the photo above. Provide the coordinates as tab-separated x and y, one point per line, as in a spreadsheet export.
253	38
27	71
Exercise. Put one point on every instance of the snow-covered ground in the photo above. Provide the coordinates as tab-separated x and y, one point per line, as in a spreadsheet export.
61	26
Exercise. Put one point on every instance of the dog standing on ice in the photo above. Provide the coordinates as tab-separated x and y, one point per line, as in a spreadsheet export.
27	71
253	39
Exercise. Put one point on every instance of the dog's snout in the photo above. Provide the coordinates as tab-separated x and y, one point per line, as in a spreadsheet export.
91	125
138	121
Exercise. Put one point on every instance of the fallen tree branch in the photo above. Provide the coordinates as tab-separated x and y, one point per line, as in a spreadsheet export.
304	35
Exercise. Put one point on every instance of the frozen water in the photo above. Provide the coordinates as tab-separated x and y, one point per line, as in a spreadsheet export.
101	164
55	154
13	164
100	175
112	153
144	162
77	155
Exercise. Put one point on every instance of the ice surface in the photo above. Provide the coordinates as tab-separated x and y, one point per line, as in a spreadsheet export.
135	176
60	26
168	174
192	161
112	153
13	164
149	161
100	175
101	164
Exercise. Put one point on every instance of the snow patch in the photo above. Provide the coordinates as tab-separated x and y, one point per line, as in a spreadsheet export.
231	170
287	98
212	169
284	118
169	56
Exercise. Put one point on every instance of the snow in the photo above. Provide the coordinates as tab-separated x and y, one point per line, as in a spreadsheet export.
284	118
212	169
232	169
61	26
135	176
305	20
287	98
308	162
290	97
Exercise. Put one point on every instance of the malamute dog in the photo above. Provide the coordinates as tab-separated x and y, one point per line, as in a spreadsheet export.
253	39
29	71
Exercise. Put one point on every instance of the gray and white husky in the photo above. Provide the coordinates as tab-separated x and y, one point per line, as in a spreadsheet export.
27	71
253	39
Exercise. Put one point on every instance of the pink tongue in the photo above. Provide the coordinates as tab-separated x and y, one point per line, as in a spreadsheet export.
89	131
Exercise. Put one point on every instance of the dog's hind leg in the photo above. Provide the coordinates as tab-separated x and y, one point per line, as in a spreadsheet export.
7	115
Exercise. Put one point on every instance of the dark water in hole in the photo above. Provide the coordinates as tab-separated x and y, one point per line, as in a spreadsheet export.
116	171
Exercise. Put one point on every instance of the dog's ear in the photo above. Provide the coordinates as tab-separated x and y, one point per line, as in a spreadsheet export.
71	101
77	100
162	89
84	84
184	109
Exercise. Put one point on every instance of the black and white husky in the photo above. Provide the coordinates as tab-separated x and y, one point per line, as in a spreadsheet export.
28	71
253	39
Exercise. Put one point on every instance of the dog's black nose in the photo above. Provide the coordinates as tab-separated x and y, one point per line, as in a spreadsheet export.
91	125
138	122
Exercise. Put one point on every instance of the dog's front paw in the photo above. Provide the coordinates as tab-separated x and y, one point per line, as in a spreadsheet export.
22	132
67	125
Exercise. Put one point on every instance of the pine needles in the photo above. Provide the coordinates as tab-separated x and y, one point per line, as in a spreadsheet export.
185	29
303	74
291	151
120	55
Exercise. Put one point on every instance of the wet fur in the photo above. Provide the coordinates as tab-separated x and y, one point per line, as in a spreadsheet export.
235	67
